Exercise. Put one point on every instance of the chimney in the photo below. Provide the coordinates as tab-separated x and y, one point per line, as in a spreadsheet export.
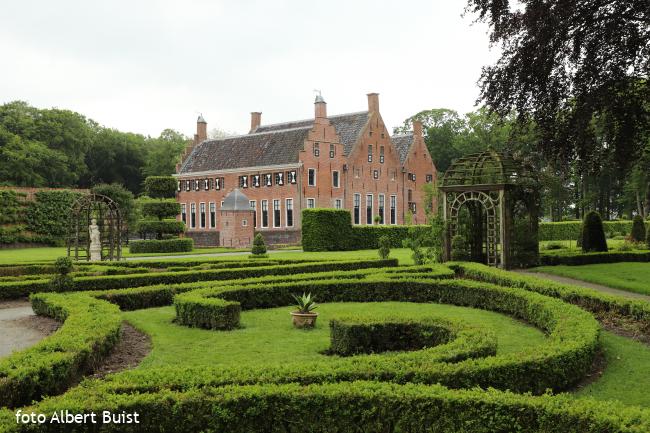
373	102
256	120
320	107
201	129
417	128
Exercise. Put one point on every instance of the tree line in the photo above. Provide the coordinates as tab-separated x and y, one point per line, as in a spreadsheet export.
61	148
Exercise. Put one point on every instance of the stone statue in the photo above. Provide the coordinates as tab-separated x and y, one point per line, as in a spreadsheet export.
95	242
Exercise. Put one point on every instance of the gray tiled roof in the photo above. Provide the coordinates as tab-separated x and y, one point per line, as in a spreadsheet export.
348	127
274	144
235	200
403	144
250	150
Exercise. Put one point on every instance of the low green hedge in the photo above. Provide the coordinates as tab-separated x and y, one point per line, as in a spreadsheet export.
161	246
90	329
566	230
579	258
165	226
352	335
195	311
600	304
367	237
20	289
340	407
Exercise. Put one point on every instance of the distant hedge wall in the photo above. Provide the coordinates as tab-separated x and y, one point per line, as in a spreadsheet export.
161	246
566	230
332	230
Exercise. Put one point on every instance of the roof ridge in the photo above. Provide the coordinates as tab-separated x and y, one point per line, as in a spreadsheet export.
254	134
310	119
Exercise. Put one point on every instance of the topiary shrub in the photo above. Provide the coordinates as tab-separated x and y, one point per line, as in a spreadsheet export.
259	246
384	247
326	230
62	281
638	233
593	234
160	186
122	197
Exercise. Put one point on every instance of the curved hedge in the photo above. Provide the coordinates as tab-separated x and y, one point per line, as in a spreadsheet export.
90	329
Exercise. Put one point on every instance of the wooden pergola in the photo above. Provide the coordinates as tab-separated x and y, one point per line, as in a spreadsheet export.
109	220
501	197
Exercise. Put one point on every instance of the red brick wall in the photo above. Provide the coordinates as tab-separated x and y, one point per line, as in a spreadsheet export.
419	162
236	229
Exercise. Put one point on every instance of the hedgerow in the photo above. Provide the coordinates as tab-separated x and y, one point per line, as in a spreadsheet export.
90	329
15	290
161	246
565	230
579	258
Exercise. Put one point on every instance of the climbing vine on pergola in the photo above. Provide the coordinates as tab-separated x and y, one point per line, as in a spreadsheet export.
109	220
491	201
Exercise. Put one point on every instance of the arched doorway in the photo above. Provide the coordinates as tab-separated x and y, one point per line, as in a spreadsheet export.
491	202
109	220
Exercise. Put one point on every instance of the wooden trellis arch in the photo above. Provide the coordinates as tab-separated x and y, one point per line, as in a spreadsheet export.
109	220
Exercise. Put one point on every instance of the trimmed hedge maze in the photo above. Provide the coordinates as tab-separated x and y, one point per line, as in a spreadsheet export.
447	376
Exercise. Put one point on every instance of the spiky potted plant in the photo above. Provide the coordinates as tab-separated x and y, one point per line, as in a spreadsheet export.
304	316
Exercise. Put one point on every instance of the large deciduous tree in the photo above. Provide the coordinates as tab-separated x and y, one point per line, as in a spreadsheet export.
578	68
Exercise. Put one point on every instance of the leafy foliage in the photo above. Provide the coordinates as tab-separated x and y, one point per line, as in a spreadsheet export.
638	229
48	214
593	235
305	303
259	246
384	247
160	186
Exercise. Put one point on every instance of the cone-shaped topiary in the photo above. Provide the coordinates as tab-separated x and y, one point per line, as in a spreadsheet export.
593	234
384	247
259	247
638	229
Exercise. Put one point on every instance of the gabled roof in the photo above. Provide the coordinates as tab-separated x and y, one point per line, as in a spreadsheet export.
403	144
250	150
275	144
235	200
348	126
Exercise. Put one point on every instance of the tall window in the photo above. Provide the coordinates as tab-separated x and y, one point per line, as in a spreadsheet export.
193	215
338	203
265	213
369	209
335	179
213	215
332	150
202	214
381	154
357	206
393	209
311	203
316	149
370	153
276	213
410	195
253	206
289	212
381	208
311	177
184	213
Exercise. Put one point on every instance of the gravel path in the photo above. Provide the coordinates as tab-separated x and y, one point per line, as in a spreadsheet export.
185	256
600	288
20	327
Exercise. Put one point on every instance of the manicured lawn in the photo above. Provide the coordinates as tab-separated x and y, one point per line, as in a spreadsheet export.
267	336
571	246
627	375
631	276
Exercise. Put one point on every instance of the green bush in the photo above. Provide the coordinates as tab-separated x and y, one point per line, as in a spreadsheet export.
63	265
570	258
160	186
12	209
90	329
367	237
259	247
359	334
593	234
160	209
638	229
384	247
122	197
48	214
459	248
570	230
157	227
161	246
213	313
326	230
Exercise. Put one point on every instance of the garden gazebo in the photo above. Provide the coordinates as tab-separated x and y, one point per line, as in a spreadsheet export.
108	218
491	206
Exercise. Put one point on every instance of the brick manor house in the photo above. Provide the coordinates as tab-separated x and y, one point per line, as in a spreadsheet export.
345	161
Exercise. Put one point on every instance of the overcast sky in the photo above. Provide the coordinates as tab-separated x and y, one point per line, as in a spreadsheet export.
146	65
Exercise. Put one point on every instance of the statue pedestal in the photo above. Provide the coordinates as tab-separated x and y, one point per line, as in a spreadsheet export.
95	253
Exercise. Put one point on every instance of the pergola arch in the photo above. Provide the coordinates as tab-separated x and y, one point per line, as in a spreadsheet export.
107	214
499	192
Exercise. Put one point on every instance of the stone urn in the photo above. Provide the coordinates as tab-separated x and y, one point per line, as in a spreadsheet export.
303	320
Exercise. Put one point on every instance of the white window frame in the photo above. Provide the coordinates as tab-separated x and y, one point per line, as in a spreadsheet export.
193	213
381	199
288	203
184	212
212	207
392	198
313	201
338	203
252	204
308	171
372	209
279	203
354	202
202	220
336	184
262	203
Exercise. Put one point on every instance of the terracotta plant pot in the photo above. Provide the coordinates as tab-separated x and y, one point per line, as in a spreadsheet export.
303	320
